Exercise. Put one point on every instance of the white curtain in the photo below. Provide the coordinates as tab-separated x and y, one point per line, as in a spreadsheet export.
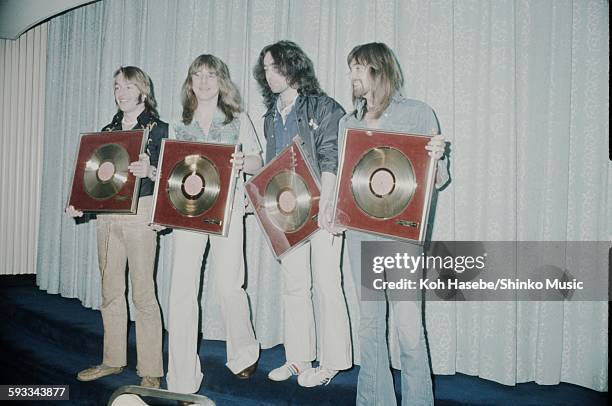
22	112
521	92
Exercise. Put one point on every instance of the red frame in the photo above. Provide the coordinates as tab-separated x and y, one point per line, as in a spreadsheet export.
126	199
164	213
281	242
349	215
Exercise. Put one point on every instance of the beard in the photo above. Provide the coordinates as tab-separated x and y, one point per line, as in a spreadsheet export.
358	89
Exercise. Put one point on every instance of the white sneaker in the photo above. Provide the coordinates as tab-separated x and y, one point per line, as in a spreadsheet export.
289	369
316	376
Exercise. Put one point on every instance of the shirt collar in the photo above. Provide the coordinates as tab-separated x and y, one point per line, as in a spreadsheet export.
143	119
218	121
285	111
360	104
359	108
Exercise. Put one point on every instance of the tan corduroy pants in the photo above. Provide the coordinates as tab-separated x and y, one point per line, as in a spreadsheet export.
127	239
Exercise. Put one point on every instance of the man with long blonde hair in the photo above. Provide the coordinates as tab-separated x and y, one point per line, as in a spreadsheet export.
212	113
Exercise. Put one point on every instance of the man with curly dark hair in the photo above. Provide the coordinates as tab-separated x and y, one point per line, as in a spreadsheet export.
297	106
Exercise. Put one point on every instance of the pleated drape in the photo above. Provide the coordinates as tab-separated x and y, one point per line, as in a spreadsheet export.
521	93
22	109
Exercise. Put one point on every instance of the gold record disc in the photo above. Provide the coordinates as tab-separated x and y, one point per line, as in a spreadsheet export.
193	185
106	171
287	201
383	182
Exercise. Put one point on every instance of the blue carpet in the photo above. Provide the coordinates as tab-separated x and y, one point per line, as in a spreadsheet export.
47	339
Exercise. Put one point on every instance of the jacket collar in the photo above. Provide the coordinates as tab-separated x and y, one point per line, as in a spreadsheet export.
143	119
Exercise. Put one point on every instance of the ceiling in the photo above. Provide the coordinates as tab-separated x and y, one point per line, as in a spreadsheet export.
18	16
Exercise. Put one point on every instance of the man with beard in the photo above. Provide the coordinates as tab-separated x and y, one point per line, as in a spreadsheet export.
377	79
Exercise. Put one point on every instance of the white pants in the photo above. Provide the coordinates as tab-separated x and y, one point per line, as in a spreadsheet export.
321	255
184	371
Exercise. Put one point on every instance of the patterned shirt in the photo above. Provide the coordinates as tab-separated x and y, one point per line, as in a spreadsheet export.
240	130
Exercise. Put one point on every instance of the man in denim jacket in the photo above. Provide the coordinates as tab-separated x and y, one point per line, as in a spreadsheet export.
376	79
297	106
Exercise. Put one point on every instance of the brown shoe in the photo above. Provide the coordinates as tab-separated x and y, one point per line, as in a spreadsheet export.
99	371
150	382
247	372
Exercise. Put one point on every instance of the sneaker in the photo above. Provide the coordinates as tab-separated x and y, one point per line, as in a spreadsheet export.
99	371
316	377
289	369
150	382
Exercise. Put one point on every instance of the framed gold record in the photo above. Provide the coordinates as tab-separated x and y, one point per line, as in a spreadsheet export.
195	186
101	181
385	184
285	195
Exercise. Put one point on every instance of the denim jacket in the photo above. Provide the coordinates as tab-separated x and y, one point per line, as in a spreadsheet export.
318	118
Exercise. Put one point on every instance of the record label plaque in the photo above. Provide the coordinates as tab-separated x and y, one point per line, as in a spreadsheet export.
385	184
101	181
195	186
285	195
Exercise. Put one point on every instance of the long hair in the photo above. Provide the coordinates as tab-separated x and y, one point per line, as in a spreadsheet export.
292	63
229	97
384	72
143	83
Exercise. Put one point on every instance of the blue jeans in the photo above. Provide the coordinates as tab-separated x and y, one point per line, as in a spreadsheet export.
375	382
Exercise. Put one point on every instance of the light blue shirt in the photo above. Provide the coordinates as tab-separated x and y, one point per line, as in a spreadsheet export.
285	129
403	115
